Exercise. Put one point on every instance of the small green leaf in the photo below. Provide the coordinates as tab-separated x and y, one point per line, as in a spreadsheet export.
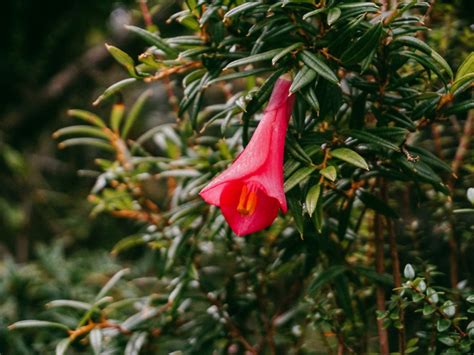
88	117
123	58
298	176
329	172
312	198
285	51
254	58
333	15
111	283
135	112
95	338
447	341
313	13
304	77
349	156
366	44
443	324
69	303
311	98
241	8
367	137
79	130
93	142
37	324
318	65
414	42
461	84
153	40
62	346
466	67
428	309
116	116
238	75
113	89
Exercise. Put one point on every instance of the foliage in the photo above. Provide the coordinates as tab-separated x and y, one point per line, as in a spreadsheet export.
362	179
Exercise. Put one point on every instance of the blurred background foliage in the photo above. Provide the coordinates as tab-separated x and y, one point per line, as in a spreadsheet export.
53	58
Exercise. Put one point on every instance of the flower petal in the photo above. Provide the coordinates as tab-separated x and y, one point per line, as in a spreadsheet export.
263	216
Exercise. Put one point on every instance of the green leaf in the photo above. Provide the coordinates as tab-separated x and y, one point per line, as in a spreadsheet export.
135	112
241	8
318	65
329	172
349	156
333	15
238	75
367	137
62	346
69	303
92	142
366	44
311	98
428	309
425	62
123	58
88	117
447	341
313	13
95	338
304	77
326	276
153	40
312	198
79	130
466	67
414	42
294	206
443	325
254	58
460	107
429	158
375	203
285	51
463	83
116	116
37	324
298	176
113	89
111	283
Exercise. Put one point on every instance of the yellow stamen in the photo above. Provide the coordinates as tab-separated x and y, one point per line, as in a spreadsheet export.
243	198
247	201
251	202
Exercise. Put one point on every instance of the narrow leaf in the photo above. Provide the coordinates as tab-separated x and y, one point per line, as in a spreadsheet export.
329	172
312	198
298	176
113	89
135	112
254	58
318	65
153	40
241	8
351	157
304	77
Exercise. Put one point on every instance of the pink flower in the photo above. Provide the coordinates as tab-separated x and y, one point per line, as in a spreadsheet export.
250	192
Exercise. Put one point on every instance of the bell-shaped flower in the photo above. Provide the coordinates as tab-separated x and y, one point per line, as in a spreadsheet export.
250	192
